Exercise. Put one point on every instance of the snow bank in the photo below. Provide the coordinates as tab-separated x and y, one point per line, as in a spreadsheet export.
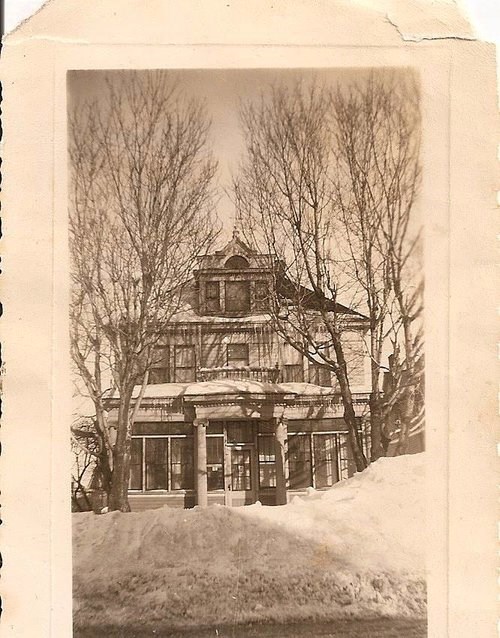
373	520
354	550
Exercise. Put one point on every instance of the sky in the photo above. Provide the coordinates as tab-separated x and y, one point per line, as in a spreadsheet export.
222	92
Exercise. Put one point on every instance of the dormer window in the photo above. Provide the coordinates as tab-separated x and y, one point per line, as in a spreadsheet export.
237	262
237	296
212	296
261	296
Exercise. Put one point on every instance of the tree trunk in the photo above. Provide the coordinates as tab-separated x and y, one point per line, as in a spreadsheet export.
407	412
353	434
118	496
376	424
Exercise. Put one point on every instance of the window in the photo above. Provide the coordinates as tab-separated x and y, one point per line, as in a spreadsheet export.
181	465
156	464
237	355
293	373
215	463
299	461
319	375
240	432
241	470
237	296
261	295
267	462
149	463
325	460
135	482
354	351
212	296
185	364
346	460
237	263
160	369
293	370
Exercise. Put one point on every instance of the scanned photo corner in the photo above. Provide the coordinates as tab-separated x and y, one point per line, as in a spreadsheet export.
249	378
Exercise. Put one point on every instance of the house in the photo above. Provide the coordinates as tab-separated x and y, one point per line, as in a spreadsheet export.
233	414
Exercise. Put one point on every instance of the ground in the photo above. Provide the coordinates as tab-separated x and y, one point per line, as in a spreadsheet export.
351	555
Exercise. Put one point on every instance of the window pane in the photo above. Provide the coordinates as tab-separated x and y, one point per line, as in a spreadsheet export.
237	262
159	375
237	296
319	375
181	465
156	464
347	465
184	356
325	458
293	373
241	474
291	354
215	463
240	432
185	364
299	461
261	295
212	296
267	458
135	482
237	354
185	375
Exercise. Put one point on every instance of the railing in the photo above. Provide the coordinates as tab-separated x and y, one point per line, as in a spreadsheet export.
262	374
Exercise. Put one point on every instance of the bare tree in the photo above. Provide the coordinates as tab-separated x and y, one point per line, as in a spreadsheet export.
85	449
141	212
376	136
284	194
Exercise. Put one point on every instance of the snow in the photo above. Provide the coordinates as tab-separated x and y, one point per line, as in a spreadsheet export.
189	315
355	550
230	386
373	520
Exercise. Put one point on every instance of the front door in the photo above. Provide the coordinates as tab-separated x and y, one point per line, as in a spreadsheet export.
243	475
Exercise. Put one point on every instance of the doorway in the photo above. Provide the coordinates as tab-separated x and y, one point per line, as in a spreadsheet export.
243	476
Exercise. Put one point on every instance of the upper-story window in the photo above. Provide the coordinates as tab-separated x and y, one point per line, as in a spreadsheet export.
160	365
212	296
237	262
237	355
185	364
261	295
237	296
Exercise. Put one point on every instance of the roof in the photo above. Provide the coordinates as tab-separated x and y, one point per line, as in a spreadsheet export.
230	386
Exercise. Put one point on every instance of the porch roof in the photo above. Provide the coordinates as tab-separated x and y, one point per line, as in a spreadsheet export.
231	386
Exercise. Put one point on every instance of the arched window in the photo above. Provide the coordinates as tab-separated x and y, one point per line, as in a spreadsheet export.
237	262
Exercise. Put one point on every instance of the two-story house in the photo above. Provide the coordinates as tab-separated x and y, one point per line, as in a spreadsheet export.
232	413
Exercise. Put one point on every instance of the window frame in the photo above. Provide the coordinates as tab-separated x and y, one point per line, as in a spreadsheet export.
192	367
245	359
267	462
160	368
143	464
215	298
308	465
219	464
261	302
246	307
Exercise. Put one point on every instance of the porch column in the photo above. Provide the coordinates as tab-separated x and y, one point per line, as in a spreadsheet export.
201	463
281	453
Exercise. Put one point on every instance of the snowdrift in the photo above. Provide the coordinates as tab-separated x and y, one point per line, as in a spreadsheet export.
354	550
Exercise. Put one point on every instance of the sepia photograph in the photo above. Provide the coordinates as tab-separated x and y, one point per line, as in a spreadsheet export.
250	320
248	352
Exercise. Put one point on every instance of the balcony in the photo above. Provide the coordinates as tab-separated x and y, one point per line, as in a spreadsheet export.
262	374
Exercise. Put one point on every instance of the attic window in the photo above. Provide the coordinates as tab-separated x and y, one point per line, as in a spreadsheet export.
236	262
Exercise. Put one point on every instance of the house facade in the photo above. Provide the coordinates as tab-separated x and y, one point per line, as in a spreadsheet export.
232	413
